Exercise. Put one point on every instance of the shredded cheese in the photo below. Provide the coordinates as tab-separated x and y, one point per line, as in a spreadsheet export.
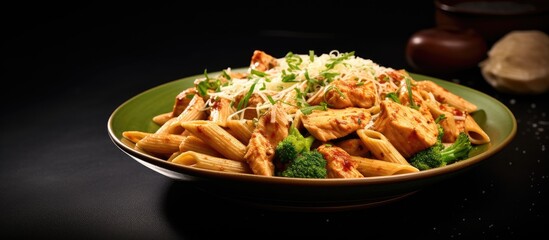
315	72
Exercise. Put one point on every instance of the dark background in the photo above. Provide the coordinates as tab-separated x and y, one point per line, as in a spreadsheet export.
63	45
66	67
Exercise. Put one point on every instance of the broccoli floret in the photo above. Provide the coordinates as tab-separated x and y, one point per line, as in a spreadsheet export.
294	157
428	158
438	155
286	150
293	145
310	164
458	150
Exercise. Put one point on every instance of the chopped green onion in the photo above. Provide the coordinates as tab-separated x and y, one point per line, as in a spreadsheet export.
271	99
309	109
244	101
335	61
206	74
410	96
288	77
202	87
293	61
440	118
336	89
393	96
259	73
329	76
208	83
299	98
226	75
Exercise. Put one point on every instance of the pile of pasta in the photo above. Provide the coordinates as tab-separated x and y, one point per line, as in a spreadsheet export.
367	120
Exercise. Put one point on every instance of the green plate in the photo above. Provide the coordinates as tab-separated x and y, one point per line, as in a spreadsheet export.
305	194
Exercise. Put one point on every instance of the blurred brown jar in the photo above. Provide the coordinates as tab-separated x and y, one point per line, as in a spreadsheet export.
445	51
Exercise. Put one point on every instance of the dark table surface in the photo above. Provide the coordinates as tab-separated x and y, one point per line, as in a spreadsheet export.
69	69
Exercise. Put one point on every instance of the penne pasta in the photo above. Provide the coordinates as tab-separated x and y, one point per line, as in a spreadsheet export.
220	111
195	144
160	119
374	110
162	145
380	147
217	137
476	134
374	167
135	136
240	129
164	128
194	111
205	161
175	154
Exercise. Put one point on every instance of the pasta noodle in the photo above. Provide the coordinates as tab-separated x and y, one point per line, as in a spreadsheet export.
206	161
193	143
134	136
160	144
365	119
475	132
240	129
380	147
194	111
375	167
220	112
162	118
216	137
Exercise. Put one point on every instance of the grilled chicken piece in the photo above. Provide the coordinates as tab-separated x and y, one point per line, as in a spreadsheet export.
271	128
262	61
338	162
238	75
418	97
355	147
259	155
448	124
274	124
444	96
335	123
347	93
451	131
253	101
391	81
182	101
408	130
460	123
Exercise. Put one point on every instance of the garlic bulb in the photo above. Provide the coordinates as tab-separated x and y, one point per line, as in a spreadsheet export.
519	63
